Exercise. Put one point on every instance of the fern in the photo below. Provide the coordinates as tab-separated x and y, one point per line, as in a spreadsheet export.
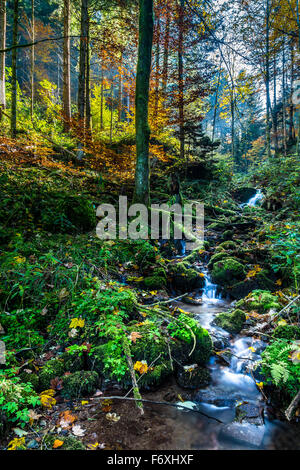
279	373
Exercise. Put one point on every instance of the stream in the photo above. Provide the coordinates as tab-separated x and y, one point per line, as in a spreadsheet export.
233	392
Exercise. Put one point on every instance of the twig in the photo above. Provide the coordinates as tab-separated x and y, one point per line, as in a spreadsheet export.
136	391
176	405
286	307
294	403
164	302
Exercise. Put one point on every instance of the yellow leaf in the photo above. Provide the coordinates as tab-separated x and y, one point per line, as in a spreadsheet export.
141	367
252	349
84	402
77	323
57	443
16	443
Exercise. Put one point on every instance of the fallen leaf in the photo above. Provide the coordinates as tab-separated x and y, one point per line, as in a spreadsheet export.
78	431
134	336
113	417
57	443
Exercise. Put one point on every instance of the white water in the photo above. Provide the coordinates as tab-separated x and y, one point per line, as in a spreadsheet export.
253	200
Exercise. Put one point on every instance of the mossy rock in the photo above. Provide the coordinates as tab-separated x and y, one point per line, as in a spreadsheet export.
69	442
79	384
227	235
52	369
243	288
158	280
232	322
183	343
217	226
33	379
184	278
261	301
291	332
72	363
193	378
217	257
227	245
227	271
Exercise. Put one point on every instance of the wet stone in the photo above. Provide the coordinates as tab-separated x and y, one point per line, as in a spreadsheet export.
249	413
249	434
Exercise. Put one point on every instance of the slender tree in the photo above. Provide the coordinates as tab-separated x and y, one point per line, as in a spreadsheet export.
180	78
32	58
142	173
83	60
66	67
13	119
2	55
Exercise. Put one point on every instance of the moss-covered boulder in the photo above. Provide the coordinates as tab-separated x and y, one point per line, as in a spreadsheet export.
232	322
81	383
261	281
261	301
227	245
52	369
291	332
227	235
227	271
184	278
192	343
217	257
157	280
193	377
69	442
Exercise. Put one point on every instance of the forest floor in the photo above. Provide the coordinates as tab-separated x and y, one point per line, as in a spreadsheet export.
55	274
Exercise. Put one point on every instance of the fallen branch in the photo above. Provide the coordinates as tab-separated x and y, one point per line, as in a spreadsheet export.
164	302
175	405
285	308
136	392
293	405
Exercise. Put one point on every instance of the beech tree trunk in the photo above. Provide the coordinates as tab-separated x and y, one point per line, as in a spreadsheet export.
32	59
142	185
83	61
166	54
180	80
2	55
66	67
13	119
267	81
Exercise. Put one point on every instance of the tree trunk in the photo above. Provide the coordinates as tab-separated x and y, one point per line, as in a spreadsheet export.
232	111
284	102
267	81
2	55
32	60
180	80
102	99
166	54
87	82
291	110
275	120
120	92
111	110
216	105
157	63
82	61
142	185
66	67
13	122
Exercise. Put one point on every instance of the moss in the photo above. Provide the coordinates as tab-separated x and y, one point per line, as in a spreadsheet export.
69	442
287	332
217	257
261	301
218	226
184	342
232	322
242	289
227	245
80	383
193	377
227	271
52	369
72	363
227	235
184	278
155	282
33	379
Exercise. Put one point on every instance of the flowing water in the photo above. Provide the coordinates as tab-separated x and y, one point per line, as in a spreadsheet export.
233	392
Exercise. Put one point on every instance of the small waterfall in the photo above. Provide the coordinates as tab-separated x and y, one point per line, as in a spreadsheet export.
211	291
258	196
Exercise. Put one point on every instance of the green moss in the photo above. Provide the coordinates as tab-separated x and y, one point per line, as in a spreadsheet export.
158	280
185	278
227	245
193	378
227	235
33	379
227	271
72	363
52	369
287	332
260	300
80	383
69	442
184	342
232	322
217	257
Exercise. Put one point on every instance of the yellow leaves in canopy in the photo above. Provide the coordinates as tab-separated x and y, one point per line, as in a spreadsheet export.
77	323
141	367
17	443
